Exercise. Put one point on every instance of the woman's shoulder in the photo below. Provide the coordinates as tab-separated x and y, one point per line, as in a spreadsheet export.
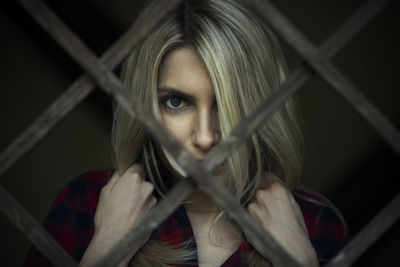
70	219
326	226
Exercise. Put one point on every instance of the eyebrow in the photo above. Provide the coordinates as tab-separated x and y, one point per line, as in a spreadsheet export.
173	91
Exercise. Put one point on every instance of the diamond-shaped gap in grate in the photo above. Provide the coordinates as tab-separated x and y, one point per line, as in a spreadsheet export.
321	65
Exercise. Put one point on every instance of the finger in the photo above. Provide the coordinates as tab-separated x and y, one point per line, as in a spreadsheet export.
114	178
139	168
147	188
269	178
147	205
275	179
134	173
150	202
135	168
266	180
143	192
279	190
259	212
276	194
299	214
262	199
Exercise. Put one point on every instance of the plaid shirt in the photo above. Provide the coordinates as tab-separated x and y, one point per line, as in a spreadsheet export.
70	221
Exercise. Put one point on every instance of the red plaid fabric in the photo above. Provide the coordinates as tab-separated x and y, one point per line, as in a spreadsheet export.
70	221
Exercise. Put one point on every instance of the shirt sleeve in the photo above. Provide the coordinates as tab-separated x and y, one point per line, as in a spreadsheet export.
71	217
331	234
326	226
56	224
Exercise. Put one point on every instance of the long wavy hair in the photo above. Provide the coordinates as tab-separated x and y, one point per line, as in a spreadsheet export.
246	65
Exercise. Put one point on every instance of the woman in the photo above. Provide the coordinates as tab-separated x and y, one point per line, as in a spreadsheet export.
201	72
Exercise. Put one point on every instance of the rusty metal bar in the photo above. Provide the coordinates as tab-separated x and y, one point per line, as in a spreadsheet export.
111	84
338	39
368	235
320	63
82	87
33	230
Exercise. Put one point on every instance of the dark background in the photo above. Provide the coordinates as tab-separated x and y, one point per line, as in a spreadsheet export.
345	158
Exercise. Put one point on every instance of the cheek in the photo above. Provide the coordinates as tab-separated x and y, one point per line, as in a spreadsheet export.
179	126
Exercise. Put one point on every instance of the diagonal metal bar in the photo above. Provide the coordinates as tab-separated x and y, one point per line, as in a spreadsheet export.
321	65
33	230
352	26
244	129
262	239
149	223
44	123
368	235
82	87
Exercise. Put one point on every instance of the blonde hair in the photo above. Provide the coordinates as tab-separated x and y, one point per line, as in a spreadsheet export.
245	65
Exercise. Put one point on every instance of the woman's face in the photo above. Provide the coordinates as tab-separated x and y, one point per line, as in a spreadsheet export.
187	102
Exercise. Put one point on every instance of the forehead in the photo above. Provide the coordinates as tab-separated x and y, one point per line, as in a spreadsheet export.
183	69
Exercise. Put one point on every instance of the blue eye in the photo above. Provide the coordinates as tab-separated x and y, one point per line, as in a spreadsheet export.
174	102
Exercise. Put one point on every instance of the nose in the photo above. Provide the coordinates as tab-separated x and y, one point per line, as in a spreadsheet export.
206	131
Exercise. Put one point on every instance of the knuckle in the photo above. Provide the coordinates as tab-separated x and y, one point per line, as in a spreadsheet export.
131	171
277	187
252	207
148	186
135	168
104	193
153	201
135	177
260	195
105	189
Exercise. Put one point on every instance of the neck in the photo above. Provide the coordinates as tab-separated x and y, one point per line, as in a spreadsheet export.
200	203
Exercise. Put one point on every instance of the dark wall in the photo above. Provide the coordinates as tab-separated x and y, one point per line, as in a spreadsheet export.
345	158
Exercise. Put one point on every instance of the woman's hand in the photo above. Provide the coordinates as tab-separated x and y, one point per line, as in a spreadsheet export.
122	203
278	212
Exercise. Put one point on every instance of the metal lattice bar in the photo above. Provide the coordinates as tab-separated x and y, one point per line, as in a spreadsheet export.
352	26
33	230
368	235
111	84
82	87
320	63
44	123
